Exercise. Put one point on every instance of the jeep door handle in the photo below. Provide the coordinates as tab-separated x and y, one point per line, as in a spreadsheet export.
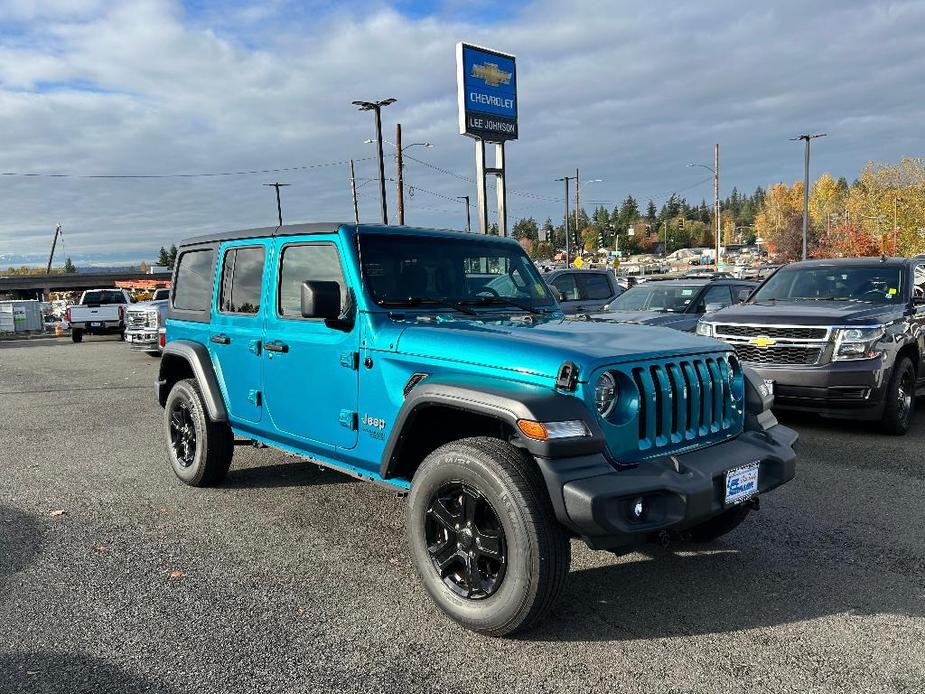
276	346
221	339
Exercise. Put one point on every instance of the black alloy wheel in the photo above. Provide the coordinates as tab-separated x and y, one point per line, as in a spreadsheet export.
465	541
183	434
904	394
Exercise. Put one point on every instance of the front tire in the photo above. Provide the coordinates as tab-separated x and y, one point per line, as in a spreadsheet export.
899	406
484	536
200	450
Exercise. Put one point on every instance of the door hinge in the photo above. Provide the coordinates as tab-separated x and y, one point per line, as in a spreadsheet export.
351	360
348	419
253	397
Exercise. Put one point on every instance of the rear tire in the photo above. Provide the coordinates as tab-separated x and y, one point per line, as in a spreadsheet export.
77	335
899	406
480	510
200	450
719	525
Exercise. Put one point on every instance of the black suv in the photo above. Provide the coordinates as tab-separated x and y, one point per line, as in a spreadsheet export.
677	304
843	337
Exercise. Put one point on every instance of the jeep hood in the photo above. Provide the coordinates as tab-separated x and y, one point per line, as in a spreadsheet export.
821	313
539	347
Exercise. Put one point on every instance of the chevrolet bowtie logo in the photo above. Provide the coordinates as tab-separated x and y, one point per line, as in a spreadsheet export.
491	74
762	341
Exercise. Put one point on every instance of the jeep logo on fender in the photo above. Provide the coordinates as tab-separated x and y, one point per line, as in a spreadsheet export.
373	422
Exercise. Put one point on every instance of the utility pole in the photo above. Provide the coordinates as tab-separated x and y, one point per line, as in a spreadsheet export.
353	186
376	107
401	181
717	222
468	215
279	207
577	207
568	252
51	255
806	139
896	199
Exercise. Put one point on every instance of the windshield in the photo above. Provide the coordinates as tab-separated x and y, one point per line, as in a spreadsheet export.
446	273
673	298
871	283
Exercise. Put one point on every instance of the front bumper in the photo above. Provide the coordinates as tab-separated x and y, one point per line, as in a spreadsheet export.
143	341
849	389
593	499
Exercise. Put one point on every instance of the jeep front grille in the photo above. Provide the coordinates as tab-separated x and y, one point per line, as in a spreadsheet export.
683	401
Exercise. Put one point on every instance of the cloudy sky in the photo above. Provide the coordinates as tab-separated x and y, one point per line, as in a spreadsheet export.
630	92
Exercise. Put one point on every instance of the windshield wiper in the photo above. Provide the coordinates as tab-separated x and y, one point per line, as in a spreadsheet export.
489	300
412	301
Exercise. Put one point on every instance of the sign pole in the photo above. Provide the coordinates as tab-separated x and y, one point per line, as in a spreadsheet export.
481	190
501	173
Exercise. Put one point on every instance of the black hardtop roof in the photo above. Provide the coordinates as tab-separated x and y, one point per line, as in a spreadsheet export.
331	227
849	262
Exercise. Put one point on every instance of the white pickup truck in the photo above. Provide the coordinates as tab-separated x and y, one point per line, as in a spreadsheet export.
100	312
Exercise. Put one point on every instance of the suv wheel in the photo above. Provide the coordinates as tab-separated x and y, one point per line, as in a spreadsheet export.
484	536
900	399
200	450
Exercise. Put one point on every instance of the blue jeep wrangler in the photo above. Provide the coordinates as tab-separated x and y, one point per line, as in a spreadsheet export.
438	364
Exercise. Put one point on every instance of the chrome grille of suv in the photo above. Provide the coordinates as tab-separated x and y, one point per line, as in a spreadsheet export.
683	401
793	332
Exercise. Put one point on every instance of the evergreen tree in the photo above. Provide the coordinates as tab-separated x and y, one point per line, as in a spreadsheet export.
163	258
526	229
651	212
69	267
173	255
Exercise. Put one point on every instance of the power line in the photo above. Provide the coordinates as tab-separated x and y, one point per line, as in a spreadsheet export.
213	174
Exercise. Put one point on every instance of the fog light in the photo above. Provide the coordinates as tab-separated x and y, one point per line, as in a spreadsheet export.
638	510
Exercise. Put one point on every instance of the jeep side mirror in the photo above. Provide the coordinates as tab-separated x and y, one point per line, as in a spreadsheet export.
321	300
743	295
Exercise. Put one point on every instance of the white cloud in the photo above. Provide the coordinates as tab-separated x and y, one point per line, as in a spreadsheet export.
628	92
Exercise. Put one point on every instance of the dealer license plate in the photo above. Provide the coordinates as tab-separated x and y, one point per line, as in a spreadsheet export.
95	325
769	384
741	483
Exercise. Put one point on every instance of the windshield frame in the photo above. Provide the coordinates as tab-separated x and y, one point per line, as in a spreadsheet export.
782	273
429	302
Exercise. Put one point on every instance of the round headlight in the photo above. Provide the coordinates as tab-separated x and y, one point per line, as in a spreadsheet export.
605	394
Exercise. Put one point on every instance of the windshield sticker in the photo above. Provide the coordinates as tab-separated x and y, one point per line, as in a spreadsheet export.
687	292
891	290
540	290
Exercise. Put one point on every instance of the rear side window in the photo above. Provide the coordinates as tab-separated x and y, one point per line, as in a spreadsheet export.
193	289
565	284
318	262
593	285
242	279
104	297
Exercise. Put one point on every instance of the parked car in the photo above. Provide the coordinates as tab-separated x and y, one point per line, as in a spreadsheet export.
843	338
677	304
367	349
581	291
143	323
99	312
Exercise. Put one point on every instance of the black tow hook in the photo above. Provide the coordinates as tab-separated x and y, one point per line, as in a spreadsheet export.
755	503
664	538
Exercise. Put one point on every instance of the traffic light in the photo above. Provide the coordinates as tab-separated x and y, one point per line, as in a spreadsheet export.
600	240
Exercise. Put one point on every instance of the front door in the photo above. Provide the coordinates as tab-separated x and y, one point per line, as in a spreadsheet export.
236	328
309	367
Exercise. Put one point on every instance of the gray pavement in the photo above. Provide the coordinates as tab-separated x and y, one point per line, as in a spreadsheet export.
292	579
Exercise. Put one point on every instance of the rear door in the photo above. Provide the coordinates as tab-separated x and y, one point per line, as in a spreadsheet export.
236	328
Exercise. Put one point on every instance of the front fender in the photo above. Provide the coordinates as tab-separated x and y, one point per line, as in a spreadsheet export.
499	399
196	356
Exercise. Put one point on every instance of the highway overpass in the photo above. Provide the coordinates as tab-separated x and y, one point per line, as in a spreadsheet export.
38	286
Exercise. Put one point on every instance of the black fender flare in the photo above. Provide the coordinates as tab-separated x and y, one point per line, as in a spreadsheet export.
506	401
197	356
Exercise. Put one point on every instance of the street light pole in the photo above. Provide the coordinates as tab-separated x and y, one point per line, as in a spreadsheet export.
716	200
568	251
896	199
806	139
401	181
376	106
468	215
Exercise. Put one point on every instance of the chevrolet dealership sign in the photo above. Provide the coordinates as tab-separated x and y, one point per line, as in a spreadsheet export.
486	83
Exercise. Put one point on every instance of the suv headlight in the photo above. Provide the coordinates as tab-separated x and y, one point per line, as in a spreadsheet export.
857	343
605	394
705	329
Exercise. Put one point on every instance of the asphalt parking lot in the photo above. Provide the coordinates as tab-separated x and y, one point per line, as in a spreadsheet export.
115	577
